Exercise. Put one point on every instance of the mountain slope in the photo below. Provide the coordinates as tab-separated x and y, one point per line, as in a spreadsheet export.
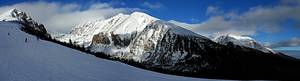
162	39
42	60
164	47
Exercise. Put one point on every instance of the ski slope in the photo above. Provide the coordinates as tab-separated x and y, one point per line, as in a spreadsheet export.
39	60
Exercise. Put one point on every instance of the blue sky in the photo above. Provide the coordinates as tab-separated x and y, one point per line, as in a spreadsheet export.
189	11
271	22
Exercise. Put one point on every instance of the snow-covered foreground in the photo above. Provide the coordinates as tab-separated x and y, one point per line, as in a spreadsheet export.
39	60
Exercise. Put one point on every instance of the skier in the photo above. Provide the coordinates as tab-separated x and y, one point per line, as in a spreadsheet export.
25	39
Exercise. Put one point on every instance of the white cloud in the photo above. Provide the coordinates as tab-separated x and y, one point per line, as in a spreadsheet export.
294	42
213	10
217	25
60	18
267	19
100	6
156	5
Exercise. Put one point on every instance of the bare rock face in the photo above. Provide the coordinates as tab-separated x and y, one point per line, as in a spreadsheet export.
100	38
110	39
161	45
122	40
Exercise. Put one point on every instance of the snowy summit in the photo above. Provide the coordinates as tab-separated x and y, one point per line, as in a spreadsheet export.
242	41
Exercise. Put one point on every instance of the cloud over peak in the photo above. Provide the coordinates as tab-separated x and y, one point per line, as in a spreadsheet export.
293	42
266	19
60	18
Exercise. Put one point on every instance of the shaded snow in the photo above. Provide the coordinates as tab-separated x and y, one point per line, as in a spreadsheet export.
38	60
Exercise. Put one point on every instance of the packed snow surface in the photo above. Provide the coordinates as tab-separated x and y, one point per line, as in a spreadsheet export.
39	60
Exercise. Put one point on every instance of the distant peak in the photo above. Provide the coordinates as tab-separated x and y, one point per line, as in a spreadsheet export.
233	35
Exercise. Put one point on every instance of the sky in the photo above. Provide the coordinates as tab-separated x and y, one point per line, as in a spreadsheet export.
273	23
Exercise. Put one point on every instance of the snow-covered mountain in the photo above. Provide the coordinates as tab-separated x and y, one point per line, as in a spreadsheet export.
121	24
40	60
225	39
242	41
141	38
149	43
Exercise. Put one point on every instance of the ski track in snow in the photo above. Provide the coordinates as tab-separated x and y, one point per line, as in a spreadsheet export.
39	60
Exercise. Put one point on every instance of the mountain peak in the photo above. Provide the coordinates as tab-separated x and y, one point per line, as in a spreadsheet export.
13	10
242	41
15	15
121	24
236	39
10	15
239	37
141	14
